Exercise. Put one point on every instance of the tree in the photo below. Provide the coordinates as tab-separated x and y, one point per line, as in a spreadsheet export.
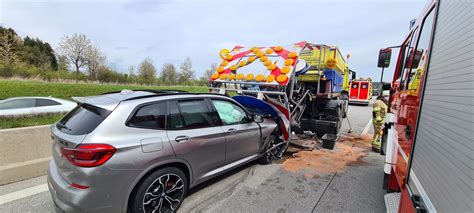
38	53
186	72
73	49
207	74
147	71
10	44
132	77
94	59
168	74
131	70
62	63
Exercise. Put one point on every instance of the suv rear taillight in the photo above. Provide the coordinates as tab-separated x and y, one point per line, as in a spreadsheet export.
89	155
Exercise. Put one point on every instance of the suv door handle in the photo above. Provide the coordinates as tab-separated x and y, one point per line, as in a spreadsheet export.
231	131
180	139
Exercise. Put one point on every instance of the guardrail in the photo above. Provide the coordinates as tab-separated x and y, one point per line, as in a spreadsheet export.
24	153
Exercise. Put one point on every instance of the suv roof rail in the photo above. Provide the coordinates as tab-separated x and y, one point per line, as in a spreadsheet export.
145	90
172	93
155	95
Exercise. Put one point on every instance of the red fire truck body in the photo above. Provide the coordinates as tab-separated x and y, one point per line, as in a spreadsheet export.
428	134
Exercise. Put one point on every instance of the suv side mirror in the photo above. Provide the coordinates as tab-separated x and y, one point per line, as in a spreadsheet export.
257	119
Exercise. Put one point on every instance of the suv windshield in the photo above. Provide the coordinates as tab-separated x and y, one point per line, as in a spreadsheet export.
82	120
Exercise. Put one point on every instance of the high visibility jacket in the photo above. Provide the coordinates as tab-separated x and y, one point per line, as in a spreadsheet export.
379	110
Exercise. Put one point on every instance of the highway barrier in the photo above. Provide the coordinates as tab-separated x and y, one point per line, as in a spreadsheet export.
25	153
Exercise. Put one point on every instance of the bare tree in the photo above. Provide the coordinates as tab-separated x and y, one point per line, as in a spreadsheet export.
186	72
74	50
168	74
9	45
94	59
147	71
131	70
207	74
62	63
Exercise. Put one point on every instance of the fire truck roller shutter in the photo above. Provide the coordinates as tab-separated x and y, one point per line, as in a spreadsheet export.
442	157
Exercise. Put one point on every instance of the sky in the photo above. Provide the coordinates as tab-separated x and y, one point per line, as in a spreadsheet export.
168	31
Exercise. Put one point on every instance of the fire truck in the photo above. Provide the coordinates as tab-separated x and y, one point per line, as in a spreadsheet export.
428	133
360	92
304	87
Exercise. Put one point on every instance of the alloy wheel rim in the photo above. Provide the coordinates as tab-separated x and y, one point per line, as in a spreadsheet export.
164	194
270	154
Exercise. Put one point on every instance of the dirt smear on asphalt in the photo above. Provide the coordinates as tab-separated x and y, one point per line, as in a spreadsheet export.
348	150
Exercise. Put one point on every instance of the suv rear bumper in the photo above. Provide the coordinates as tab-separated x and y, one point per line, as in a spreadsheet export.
62	193
70	199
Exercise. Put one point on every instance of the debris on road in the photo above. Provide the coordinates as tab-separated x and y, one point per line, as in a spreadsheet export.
348	150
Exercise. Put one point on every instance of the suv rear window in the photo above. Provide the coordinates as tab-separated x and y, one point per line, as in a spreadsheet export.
82	120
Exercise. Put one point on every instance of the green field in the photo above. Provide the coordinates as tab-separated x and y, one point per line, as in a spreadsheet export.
15	88
6	123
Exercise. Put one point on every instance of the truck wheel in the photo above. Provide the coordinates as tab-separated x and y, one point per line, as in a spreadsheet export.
340	115
345	104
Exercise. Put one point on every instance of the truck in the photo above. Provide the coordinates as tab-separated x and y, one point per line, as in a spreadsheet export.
428	131
360	92
304	86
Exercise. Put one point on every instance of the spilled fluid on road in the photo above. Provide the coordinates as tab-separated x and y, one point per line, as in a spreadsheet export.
349	150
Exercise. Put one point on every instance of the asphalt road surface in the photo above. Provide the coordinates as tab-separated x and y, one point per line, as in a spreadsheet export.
257	188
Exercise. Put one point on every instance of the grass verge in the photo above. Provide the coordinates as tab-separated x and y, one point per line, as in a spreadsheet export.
15	122
15	88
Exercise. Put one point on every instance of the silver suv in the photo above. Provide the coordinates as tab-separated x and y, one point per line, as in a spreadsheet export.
140	151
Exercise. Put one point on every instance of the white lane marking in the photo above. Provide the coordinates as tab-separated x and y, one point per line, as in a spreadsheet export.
23	193
367	127
25	163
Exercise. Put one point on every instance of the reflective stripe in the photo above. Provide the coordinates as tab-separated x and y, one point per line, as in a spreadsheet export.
422	191
404	156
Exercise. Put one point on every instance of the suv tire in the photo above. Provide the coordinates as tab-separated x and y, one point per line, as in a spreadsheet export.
268	157
148	194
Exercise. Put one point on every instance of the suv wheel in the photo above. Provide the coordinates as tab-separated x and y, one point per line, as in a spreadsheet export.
161	191
268	157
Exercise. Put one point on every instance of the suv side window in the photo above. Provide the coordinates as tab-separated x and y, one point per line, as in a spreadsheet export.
230	113
18	104
152	116
46	102
195	113
175	120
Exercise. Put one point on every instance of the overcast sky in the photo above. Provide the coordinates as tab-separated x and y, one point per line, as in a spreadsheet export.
169	30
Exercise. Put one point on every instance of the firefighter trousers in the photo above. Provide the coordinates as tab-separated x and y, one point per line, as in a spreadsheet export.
376	141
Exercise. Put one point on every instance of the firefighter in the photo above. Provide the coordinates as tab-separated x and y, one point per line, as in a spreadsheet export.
378	117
